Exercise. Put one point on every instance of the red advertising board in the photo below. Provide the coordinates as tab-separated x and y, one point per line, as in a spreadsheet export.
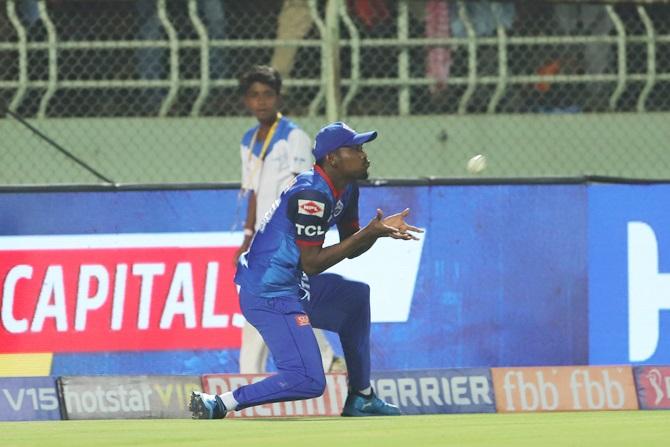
87	293
329	404
653	387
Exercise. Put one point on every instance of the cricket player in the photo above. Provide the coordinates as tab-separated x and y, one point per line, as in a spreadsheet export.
283	295
273	152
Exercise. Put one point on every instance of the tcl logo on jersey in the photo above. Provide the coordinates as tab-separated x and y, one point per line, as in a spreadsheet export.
309	230
118	292
310	207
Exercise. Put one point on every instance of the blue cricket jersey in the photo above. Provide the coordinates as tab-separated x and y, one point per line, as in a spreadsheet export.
301	216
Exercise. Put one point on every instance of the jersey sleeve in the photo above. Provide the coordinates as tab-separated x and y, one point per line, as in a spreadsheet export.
309	210
250	173
349	223
243	165
300	151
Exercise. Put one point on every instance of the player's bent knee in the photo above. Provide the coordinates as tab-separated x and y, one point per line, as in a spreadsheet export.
315	385
361	290
363	296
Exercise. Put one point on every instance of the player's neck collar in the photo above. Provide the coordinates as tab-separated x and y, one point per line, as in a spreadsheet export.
329	182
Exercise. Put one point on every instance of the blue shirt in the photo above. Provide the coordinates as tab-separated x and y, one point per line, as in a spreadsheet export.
301	216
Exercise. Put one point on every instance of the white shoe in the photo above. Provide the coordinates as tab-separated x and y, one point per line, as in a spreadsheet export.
206	406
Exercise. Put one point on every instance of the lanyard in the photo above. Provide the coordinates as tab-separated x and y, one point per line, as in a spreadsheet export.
268	138
264	149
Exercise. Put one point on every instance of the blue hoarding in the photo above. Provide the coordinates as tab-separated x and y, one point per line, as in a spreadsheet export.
437	391
29	399
629	274
502	278
499	279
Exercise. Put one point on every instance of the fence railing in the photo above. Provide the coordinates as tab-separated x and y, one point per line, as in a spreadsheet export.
340	59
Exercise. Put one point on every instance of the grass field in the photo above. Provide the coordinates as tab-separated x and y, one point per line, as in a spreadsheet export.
636	428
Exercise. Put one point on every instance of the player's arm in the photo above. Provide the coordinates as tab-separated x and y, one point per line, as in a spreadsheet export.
348	230
362	249
349	225
401	230
309	211
314	258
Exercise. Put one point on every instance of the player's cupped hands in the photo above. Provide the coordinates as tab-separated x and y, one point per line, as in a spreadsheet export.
394	226
404	230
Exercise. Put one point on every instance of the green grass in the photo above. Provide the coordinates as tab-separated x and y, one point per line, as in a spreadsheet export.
636	428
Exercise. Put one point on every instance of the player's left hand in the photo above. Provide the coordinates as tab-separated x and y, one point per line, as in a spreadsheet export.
404	230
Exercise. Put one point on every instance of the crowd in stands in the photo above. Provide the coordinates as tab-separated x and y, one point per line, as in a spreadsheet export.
293	20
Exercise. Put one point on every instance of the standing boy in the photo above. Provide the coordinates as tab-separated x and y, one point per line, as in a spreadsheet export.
273	153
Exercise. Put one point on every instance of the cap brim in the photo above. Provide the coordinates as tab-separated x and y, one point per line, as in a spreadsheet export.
364	137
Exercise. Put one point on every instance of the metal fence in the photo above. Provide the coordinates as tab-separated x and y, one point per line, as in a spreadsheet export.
146	90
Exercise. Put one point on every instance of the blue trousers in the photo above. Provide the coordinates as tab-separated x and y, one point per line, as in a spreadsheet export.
335	304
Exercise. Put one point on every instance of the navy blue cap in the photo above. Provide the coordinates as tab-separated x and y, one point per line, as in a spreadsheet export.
338	134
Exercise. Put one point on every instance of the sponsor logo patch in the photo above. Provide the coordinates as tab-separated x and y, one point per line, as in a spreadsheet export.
310	207
309	230
302	320
339	206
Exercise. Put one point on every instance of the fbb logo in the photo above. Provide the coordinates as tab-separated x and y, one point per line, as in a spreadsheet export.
565	388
